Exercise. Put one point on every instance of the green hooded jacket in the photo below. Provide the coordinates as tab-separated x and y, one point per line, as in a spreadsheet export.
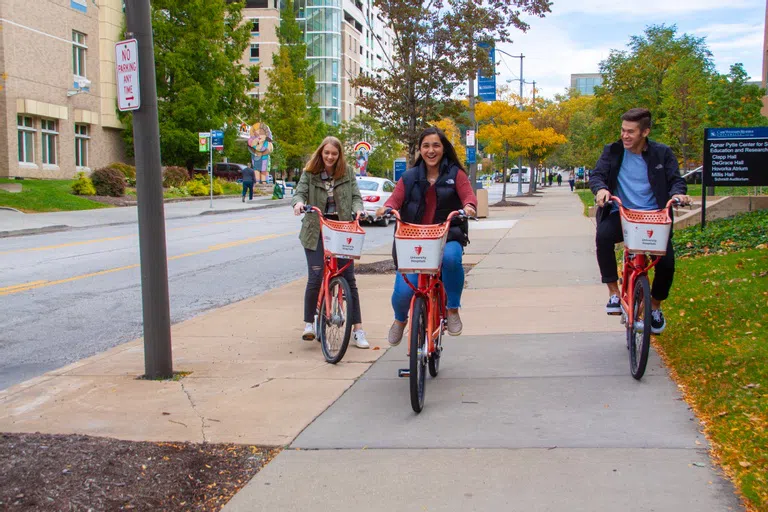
311	191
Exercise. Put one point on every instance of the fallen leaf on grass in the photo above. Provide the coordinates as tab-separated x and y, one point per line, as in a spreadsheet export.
744	464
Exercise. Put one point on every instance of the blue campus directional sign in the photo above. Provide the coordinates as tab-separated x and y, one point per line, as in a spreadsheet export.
217	139
736	156
486	85
401	165
471	155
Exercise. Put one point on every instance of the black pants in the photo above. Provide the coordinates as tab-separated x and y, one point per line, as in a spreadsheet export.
248	187
608	234
315	279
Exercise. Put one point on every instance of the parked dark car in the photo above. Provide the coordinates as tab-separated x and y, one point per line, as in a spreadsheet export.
225	171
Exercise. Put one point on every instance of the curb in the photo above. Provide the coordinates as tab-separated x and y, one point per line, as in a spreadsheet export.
63	227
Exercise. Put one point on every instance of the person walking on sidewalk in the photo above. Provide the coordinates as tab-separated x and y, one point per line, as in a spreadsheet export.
572	180
644	174
249	177
559	179
327	184
427	194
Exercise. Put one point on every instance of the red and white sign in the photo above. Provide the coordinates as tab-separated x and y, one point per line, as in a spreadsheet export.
127	69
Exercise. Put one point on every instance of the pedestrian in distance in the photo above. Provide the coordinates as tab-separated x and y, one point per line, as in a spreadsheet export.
551	178
644	174
559	179
326	184
249	177
426	194
572	180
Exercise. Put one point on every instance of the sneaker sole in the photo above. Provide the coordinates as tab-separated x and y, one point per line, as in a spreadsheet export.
658	331
455	333
308	337
613	311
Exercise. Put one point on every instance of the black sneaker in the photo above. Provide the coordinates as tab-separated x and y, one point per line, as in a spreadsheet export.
658	324
614	305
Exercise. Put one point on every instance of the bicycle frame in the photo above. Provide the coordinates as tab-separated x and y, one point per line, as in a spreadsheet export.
330	270
634	266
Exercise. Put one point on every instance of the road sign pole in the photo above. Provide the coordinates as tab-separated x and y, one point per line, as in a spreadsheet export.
210	170
158	361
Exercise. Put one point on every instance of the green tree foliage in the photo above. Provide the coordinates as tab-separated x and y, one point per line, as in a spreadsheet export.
200	83
733	102
635	77
434	48
684	98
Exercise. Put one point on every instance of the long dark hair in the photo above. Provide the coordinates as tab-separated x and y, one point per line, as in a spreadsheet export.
449	151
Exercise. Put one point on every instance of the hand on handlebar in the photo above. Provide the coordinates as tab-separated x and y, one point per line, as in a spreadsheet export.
470	211
382	211
298	208
602	196
682	199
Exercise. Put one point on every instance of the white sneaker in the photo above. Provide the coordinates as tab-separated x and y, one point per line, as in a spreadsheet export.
360	341
309	332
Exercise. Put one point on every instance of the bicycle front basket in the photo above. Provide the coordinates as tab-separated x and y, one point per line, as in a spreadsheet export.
646	231
420	248
343	239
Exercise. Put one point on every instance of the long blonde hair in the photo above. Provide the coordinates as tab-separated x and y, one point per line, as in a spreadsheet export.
316	164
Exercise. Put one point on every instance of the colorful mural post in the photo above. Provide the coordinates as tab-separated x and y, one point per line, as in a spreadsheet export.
362	150
259	146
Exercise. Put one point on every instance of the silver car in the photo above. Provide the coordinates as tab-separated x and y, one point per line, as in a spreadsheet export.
375	192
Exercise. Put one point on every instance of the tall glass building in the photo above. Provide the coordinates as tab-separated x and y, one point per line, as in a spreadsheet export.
585	82
321	20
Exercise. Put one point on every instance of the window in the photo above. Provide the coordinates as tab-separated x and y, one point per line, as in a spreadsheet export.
389	186
254	52
255	26
49	134
26	139
81	145
78	53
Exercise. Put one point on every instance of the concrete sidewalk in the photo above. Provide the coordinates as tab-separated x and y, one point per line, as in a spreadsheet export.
13	223
534	408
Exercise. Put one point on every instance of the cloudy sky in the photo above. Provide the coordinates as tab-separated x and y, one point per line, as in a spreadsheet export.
578	34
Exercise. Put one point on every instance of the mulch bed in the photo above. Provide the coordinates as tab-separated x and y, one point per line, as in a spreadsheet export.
510	203
76	472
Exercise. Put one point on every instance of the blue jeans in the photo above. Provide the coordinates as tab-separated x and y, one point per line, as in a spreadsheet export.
248	187
453	279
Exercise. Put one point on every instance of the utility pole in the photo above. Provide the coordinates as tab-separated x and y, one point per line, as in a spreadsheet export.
473	127
158	362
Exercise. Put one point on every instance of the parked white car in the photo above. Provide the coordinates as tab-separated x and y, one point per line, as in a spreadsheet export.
375	192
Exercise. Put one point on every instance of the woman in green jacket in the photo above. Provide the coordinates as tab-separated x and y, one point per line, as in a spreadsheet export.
328	185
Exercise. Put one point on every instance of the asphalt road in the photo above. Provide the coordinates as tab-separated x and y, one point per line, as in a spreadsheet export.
69	295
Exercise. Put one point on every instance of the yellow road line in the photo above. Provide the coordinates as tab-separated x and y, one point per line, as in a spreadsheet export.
9	290
113	238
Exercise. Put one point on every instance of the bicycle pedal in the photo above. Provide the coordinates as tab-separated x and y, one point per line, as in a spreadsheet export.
405	372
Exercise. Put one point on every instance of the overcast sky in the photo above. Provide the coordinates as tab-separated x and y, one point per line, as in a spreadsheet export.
578	34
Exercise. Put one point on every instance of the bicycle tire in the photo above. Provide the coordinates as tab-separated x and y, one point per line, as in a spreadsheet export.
339	323
639	336
418	348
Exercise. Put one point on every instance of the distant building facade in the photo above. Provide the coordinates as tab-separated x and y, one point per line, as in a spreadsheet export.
585	82
57	87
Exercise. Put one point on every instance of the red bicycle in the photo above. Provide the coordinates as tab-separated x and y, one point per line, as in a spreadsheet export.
646	234
419	249
341	240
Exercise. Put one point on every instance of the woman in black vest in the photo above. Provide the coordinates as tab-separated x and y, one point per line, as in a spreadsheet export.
427	194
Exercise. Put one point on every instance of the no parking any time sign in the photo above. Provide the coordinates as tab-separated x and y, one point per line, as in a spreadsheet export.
127	68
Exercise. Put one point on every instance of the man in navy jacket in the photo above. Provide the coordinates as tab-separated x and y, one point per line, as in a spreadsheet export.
644	174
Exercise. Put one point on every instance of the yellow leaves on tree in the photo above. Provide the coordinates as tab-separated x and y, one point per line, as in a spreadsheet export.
448	126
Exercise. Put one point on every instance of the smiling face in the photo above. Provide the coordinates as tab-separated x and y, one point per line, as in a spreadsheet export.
330	156
633	137
431	150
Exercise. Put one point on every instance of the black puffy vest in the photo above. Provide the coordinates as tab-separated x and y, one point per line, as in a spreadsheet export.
416	185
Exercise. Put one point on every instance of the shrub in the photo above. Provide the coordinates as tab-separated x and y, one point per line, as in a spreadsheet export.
582	185
174	176
128	170
108	182
196	188
83	186
218	189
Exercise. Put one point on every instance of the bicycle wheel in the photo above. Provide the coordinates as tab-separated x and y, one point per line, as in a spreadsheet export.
418	348
639	334
335	328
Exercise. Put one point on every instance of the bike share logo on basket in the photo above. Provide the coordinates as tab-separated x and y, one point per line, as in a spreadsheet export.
650	238
417	249
343	245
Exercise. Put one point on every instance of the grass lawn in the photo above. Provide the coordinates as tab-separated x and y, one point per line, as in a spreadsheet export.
716	346
45	196
695	191
587	198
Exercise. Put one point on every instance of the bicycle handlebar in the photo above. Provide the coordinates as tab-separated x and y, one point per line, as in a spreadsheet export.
672	202
458	213
314	209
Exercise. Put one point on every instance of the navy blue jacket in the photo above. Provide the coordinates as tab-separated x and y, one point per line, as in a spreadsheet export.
663	172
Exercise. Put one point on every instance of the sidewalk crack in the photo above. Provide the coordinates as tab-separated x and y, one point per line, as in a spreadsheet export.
194	408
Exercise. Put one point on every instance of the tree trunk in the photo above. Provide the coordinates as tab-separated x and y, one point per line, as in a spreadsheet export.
504	180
